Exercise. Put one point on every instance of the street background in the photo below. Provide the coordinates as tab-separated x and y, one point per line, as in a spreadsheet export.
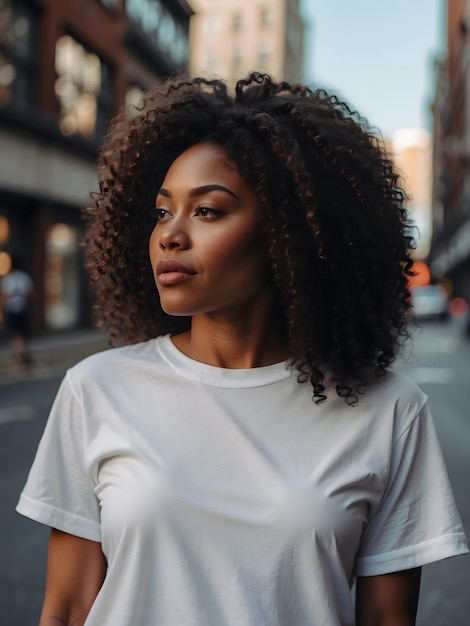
66	67
439	363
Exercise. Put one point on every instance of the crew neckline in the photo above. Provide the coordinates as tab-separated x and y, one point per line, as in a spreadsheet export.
220	376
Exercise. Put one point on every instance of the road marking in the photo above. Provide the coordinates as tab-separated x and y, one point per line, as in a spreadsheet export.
21	413
439	375
446	345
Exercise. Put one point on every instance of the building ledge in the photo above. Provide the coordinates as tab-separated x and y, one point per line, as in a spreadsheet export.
30	121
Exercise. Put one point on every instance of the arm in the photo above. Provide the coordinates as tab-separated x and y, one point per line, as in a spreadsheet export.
76	569
388	600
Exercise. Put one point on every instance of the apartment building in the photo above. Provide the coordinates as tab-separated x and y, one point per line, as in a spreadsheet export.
450	249
229	38
65	67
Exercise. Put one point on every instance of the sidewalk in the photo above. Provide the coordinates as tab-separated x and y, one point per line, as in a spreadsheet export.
58	350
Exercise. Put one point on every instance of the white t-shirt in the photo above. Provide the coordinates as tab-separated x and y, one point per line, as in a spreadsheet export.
229	498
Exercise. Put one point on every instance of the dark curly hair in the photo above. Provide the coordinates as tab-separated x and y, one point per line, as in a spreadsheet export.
332	212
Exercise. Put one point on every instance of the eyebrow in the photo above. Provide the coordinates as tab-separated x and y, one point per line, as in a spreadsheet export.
199	191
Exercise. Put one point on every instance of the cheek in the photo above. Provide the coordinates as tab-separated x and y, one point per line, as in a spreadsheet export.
152	246
238	255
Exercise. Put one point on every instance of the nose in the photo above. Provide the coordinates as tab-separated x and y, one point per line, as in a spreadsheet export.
173	236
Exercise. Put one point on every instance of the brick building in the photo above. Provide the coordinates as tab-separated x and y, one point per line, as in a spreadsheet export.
65	67
450	249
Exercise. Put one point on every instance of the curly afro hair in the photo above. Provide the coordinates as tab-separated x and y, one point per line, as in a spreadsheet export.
332	213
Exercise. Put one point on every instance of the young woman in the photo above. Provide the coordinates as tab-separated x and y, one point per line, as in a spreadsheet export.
248	457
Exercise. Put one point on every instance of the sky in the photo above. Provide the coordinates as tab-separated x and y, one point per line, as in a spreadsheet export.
378	55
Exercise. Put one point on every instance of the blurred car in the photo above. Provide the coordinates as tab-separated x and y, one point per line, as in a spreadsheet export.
429	302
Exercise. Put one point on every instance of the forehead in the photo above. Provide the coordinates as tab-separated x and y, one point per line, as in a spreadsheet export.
202	160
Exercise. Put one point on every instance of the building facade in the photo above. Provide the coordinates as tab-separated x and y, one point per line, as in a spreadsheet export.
412	155
65	67
450	248
229	39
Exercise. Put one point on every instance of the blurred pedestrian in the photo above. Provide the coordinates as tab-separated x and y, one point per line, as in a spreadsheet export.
249	455
16	292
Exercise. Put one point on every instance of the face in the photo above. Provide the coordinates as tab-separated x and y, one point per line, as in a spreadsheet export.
205	249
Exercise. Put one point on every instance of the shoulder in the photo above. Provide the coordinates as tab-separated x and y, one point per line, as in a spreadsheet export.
398	387
397	396
114	364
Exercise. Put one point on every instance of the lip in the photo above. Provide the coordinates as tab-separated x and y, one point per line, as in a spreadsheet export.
170	272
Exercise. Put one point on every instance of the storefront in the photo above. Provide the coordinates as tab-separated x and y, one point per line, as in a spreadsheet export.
43	189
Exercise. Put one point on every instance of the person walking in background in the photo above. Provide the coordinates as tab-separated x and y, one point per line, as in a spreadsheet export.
16	291
249	457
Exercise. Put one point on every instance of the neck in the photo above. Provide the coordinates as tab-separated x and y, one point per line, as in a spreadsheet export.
234	340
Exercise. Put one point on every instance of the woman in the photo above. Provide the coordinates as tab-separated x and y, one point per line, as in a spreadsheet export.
248	455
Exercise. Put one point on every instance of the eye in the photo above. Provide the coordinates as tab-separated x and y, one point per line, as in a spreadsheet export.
208	212
161	214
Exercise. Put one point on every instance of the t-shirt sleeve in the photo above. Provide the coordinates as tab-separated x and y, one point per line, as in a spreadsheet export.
59	491
417	521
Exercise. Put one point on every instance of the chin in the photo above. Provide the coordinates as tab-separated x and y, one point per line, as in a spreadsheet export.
176	311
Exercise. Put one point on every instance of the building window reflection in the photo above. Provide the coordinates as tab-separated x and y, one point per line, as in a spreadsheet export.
83	89
18	52
162	28
62	277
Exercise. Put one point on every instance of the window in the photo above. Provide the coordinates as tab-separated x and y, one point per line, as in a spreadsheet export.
83	89
159	24
62	277
237	22
265	18
18	52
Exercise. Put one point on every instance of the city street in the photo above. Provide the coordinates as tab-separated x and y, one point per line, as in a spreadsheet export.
440	365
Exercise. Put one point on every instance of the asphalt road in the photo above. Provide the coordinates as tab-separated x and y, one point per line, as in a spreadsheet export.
441	366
